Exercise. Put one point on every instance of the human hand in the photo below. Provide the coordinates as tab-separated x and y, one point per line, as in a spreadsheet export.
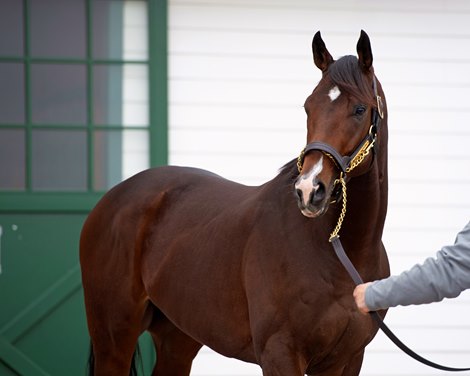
360	297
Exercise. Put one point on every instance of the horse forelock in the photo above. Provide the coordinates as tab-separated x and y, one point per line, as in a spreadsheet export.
348	76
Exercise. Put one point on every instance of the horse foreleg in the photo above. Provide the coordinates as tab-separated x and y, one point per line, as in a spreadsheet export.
114	358
115	324
354	366
114	343
175	350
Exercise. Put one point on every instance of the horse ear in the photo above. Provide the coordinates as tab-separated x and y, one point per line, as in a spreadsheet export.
364	52
321	56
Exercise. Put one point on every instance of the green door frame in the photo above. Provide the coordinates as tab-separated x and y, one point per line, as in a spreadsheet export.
158	77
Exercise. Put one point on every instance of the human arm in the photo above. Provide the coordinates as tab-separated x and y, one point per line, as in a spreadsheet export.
444	276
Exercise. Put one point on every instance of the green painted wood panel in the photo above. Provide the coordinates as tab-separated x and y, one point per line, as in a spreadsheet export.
42	317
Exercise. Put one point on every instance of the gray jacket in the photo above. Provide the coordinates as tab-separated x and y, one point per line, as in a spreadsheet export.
444	276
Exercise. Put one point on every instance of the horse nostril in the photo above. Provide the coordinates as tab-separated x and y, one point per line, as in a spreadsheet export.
299	194
318	194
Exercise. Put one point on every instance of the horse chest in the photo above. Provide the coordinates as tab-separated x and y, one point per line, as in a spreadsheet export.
316	315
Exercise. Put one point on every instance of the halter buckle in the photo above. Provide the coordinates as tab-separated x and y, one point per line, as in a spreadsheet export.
380	104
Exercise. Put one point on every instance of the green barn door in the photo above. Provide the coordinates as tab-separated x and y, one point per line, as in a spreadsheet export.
83	105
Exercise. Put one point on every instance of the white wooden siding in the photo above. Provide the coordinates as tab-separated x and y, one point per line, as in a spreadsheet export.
135	101
239	74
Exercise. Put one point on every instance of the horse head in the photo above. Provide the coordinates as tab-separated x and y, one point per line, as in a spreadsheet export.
343	112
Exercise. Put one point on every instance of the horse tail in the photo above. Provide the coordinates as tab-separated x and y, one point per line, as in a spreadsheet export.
135	364
91	361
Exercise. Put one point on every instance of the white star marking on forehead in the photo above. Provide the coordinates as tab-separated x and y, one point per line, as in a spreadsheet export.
334	93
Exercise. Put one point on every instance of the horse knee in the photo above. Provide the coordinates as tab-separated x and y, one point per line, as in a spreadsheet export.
114	362
278	359
113	355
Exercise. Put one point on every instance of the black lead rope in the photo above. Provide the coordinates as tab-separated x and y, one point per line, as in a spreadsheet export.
343	257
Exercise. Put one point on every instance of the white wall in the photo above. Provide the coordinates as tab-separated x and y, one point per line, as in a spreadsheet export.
135	101
239	74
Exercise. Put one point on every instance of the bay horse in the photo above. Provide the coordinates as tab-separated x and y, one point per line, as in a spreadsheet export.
198	260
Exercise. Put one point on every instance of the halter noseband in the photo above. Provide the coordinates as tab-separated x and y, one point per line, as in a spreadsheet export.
347	163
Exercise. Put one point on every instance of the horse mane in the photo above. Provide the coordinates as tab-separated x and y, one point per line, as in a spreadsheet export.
348	76
290	169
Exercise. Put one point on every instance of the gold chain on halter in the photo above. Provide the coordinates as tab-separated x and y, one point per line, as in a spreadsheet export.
357	160
300	160
362	154
335	232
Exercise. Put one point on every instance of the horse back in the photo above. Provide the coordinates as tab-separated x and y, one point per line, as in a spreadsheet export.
144	199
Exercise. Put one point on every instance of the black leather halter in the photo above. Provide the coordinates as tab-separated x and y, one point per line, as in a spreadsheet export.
346	163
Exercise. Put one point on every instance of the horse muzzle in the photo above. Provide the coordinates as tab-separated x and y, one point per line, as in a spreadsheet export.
314	205
313	195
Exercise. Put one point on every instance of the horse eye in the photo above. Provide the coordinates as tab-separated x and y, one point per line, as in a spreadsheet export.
359	110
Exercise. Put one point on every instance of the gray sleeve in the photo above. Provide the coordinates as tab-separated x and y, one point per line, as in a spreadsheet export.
444	276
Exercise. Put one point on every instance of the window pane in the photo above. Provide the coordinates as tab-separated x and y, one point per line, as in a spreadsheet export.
59	160
107	159
11	93
107	29
58	28
135	150
12	159
107	94
120	29
119	155
58	94
120	95
11	28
